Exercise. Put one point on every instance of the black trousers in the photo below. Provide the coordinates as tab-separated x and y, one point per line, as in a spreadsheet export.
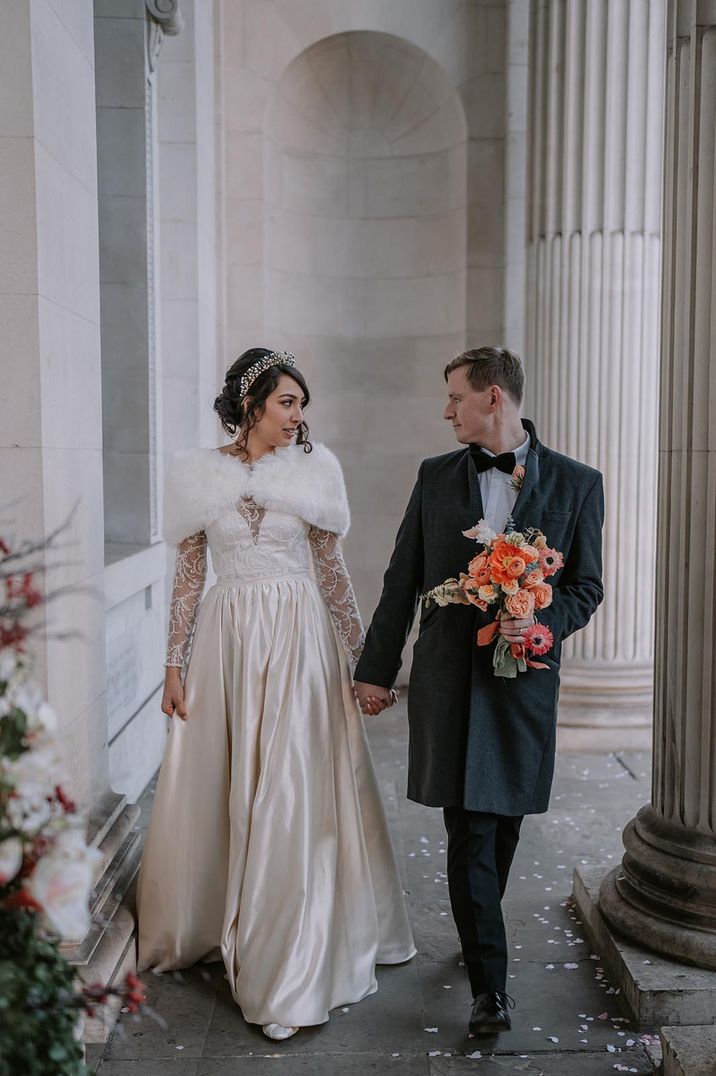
480	851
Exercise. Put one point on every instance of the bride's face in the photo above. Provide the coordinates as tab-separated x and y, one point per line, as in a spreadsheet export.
282	415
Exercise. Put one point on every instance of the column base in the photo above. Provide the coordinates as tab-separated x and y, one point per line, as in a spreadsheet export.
655	991
664	894
606	695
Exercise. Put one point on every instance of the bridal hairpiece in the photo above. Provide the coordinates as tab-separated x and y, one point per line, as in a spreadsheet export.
276	358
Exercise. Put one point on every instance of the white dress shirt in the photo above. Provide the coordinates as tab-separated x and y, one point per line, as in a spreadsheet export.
498	496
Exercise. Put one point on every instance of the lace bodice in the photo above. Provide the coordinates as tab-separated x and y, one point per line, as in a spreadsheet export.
250	544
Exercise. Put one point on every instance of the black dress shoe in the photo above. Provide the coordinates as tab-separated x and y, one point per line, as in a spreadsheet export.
489	1013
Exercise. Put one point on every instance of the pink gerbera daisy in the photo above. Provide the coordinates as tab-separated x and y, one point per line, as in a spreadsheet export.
538	639
550	561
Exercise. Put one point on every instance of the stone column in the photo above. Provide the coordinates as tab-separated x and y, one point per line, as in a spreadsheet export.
664	893
594	223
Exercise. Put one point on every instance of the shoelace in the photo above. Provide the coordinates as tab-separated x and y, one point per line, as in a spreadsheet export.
507	1001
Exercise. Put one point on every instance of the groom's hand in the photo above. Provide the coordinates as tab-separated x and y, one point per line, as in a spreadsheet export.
512	629
371	698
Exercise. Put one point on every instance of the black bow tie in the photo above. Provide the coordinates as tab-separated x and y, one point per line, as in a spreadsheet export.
505	462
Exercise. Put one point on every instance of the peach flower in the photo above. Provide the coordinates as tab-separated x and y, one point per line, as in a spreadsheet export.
510	587
515	567
488	593
542	593
479	570
521	604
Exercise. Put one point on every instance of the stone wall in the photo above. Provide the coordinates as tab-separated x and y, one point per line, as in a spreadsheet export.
50	429
364	219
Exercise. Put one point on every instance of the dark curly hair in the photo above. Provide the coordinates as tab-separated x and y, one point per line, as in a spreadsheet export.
229	404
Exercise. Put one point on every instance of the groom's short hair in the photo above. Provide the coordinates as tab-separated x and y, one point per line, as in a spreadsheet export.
487	366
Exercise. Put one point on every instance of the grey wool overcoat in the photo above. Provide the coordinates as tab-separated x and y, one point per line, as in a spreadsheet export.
476	740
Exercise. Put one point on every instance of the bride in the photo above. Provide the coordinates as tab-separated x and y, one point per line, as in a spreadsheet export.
268	845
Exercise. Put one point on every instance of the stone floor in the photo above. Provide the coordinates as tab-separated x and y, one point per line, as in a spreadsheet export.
567	1021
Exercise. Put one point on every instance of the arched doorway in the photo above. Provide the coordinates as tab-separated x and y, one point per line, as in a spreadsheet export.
364	262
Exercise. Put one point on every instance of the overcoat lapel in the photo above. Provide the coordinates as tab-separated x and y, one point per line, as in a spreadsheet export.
530	488
529	498
475	491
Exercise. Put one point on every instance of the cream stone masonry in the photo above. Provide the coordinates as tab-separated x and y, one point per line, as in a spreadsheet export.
50	434
51	449
664	893
594	223
363	218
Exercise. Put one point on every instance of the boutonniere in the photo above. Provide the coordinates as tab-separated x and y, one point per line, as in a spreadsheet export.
518	478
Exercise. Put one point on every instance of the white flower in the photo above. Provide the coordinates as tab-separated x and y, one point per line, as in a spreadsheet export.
28	813
482	532
10	859
44	719
62	881
28	698
33	777
35	771
515	537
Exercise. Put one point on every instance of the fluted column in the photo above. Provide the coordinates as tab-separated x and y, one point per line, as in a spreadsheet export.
593	263
664	893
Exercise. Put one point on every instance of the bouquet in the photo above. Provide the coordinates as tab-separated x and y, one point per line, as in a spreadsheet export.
47	869
509	574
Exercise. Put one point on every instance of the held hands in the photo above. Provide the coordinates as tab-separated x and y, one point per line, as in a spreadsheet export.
512	629
373	699
173	695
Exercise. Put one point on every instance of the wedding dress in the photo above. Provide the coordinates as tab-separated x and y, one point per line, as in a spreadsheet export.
268	844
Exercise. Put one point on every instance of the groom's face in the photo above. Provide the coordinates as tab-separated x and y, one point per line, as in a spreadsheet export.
470	413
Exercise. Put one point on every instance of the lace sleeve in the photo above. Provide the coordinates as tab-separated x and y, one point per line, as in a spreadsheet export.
335	585
189	579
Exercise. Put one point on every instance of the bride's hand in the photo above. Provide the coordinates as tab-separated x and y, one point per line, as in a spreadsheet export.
173	694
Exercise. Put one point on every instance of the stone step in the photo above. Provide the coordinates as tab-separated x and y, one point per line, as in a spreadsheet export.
656	991
108	950
689	1051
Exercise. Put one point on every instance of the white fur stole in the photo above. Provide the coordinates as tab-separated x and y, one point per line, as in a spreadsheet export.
203	482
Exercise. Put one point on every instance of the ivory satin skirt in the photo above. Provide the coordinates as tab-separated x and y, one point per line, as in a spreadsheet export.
268	843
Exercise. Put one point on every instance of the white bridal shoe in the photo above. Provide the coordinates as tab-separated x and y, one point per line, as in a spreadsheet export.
278	1032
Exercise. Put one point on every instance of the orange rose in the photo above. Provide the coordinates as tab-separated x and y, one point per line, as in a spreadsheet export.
479	570
515	567
521	604
502	556
542	593
477	563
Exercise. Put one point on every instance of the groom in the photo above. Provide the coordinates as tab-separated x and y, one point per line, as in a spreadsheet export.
482	747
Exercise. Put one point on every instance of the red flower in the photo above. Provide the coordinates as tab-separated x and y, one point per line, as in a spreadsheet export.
68	805
22	899
13	636
538	639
